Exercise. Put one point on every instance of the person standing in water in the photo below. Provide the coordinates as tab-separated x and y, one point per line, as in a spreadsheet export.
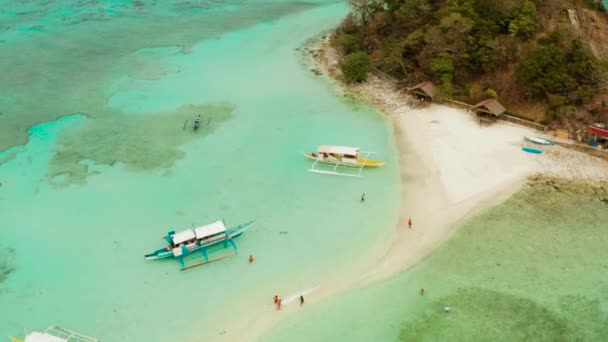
409	222
363	197
251	259
422	292
279	302
301	300
276	299
197	122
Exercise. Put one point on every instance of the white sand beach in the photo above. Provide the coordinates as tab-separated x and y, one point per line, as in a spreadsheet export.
451	167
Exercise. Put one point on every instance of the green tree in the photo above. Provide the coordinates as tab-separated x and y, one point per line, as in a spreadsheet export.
355	67
443	68
544	71
480	55
392	56
350	43
364	9
414	14
454	27
559	108
413	43
581	65
525	23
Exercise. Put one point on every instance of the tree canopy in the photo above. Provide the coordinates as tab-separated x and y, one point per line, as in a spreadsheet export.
464	46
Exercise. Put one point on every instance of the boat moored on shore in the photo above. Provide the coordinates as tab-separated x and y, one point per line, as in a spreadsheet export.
539	141
341	156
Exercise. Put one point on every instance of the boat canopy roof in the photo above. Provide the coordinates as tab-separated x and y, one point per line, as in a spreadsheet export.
209	229
56	333
42	337
344	150
183	236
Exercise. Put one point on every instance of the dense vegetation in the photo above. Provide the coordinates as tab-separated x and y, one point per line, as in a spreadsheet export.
525	50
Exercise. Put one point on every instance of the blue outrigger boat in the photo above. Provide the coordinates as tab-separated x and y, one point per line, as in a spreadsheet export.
198	239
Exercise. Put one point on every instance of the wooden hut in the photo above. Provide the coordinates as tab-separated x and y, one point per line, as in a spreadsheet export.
488	110
424	92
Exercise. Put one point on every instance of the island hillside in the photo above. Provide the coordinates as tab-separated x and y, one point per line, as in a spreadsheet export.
546	60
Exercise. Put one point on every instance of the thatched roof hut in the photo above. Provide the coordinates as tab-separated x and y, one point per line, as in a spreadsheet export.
489	109
425	90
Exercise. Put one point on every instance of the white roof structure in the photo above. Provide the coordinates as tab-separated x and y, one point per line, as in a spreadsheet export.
58	334
353	151
183	236
209	229
42	337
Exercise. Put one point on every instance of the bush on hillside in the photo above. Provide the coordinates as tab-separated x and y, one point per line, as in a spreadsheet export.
355	67
491	93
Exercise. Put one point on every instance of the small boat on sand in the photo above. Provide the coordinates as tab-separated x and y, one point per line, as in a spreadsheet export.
539	141
198	239
531	150
341	156
55	334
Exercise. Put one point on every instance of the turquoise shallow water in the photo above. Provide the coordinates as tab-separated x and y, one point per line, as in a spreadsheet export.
89	194
531	269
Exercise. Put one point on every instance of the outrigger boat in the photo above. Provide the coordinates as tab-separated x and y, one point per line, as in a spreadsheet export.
55	334
341	156
539	141
198	239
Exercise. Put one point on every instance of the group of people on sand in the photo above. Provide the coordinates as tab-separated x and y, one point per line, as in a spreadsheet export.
278	302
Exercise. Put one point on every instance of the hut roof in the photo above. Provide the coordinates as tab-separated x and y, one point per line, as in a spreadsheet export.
598	130
492	105
427	87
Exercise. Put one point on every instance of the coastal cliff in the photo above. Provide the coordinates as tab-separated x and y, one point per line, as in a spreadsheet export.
545	60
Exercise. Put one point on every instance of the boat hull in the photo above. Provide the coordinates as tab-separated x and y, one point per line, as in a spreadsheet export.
532	150
360	161
539	141
234	232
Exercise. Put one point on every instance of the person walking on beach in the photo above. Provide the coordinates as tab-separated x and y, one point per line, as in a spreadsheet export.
363	197
251	259
409	222
301	301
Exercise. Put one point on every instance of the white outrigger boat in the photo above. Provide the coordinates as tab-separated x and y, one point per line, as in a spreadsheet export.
341	156
198	239
55	334
539	141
